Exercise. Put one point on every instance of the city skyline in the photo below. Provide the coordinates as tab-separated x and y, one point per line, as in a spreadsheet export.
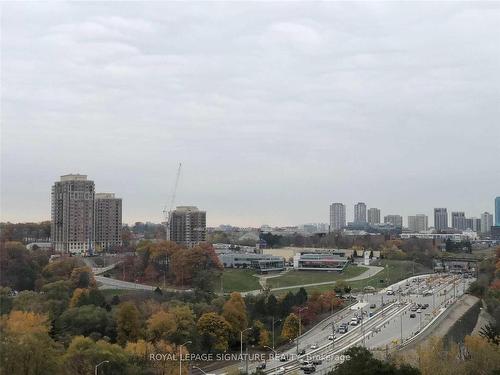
272	118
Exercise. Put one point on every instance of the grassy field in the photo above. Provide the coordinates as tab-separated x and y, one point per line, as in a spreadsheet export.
396	270
310	277
238	280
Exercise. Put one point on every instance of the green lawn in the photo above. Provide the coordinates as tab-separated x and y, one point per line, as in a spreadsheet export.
396	270
238	280
310	277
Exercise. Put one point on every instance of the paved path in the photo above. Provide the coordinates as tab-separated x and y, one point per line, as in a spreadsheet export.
371	271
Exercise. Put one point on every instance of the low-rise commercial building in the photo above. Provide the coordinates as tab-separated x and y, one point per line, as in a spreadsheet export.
259	262
319	262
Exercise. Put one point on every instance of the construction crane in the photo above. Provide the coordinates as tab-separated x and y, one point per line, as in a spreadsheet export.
168	213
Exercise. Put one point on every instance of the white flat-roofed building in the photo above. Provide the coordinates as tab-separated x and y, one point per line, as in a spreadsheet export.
319	262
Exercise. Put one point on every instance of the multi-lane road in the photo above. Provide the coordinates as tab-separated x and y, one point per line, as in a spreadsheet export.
392	316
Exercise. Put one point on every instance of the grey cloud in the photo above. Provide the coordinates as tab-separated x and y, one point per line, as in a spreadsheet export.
275	109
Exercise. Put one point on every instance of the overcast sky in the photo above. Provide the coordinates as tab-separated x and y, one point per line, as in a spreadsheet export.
275	109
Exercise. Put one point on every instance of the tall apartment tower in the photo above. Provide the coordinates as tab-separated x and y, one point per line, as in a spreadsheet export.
107	221
497	211
458	220
486	222
72	206
360	212
476	224
418	223
337	216
440	219
395	220
373	216
187	226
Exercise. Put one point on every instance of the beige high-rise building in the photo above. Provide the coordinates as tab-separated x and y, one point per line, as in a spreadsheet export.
187	226
107	221
418	223
72	206
337	216
373	216
395	220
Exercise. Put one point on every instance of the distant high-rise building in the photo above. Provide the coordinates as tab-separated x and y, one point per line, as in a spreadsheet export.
458	220
418	223
187	226
337	216
395	220
476	224
497	211
469	223
72	206
373	216
108	221
360	212
486	222
440	219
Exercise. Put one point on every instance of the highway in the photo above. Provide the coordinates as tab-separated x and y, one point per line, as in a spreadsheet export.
394	318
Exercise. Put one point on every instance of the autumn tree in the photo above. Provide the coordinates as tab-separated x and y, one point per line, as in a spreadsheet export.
82	277
25	345
290	329
214	331
128	324
84	353
235	313
161	325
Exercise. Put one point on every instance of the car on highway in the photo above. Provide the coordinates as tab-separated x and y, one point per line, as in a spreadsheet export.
354	322
414	308
390	292
413	315
280	371
284	358
308	369
331	337
302	352
343	329
261	366
314	346
317	361
373	305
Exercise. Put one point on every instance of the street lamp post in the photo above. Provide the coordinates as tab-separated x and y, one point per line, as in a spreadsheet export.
241	341
96	366
180	356
300	325
333	334
274	322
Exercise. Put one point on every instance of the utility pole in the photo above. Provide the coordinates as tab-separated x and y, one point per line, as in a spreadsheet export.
333	334
300	326
401	326
363	326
